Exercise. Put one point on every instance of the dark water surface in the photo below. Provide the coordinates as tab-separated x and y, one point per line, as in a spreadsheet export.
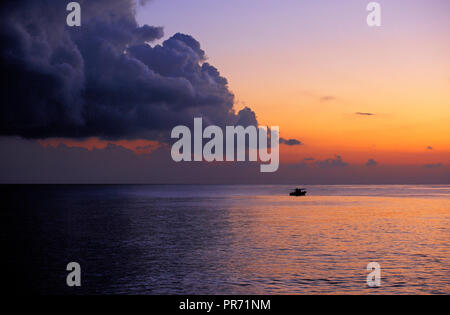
225	239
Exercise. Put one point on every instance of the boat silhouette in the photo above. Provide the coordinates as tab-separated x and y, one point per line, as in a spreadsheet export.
298	192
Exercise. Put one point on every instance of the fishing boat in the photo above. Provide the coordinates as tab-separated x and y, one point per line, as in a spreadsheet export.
298	192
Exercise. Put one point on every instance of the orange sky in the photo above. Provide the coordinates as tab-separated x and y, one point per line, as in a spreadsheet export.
309	66
313	92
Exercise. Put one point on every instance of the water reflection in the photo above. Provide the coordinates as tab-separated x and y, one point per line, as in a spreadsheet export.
227	239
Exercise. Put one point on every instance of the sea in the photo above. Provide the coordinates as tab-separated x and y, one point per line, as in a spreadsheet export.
225	239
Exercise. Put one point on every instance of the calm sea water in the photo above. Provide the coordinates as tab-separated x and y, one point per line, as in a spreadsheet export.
226	239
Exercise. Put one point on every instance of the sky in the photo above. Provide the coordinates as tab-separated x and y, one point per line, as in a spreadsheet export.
367	104
309	66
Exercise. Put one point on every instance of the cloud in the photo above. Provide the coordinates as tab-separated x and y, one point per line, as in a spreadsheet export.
364	114
148	33
103	79
137	146
435	165
116	164
327	98
430	148
144	2
303	164
371	163
331	163
290	142
247	117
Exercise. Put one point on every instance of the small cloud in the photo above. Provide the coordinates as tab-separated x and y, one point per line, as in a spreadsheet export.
435	165
364	114
371	163
430	148
290	142
327	98
304	164
330	163
301	165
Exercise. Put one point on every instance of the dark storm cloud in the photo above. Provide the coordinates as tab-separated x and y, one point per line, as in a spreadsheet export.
103	79
144	2
371	163
247	118
290	142
148	33
331	163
